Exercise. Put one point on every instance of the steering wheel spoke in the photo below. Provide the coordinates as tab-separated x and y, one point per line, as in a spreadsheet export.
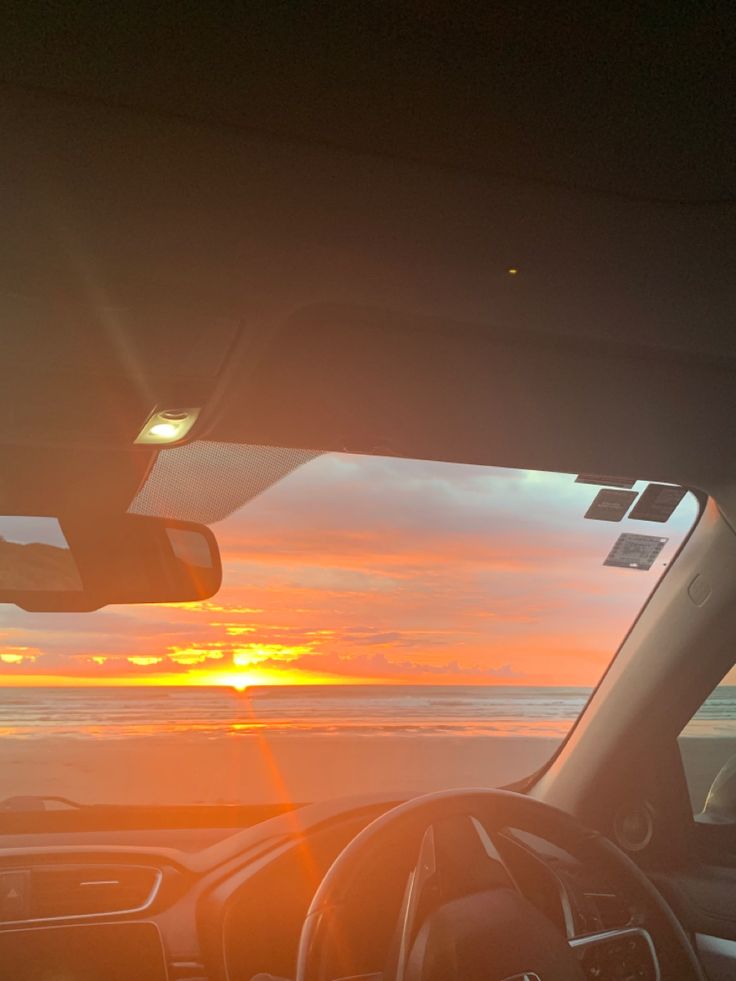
420	877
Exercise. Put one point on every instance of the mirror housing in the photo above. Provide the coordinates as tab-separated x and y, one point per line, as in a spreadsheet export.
81	564
720	804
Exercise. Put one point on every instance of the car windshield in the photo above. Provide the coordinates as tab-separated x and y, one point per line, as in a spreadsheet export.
384	624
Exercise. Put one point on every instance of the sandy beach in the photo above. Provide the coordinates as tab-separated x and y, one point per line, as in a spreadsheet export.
212	745
252	769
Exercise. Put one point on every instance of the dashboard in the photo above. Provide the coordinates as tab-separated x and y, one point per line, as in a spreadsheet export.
226	904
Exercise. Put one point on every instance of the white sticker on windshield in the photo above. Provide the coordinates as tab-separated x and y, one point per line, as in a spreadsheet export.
635	551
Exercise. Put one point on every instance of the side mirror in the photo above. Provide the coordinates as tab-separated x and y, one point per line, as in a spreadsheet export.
720	804
73	564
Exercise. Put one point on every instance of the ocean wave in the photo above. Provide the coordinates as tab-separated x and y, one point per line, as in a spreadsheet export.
370	709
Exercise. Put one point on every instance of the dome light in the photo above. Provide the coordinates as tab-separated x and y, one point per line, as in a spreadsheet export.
165	430
167	426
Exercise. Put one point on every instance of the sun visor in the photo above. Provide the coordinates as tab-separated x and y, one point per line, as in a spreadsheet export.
77	375
372	381
70	481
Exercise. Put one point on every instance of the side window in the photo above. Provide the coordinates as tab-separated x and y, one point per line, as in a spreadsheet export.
708	750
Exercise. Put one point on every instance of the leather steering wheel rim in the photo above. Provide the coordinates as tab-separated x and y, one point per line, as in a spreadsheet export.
498	809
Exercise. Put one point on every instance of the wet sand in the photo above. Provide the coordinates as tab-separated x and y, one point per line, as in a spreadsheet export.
251	769
190	769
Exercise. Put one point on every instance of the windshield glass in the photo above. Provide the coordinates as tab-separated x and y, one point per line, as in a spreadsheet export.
383	625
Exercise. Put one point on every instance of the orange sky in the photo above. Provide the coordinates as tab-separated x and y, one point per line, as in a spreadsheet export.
361	569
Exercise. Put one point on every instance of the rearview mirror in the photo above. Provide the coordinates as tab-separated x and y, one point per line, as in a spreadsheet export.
64	564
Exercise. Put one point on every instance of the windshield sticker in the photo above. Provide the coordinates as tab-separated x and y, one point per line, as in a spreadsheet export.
611	505
635	551
658	502
604	481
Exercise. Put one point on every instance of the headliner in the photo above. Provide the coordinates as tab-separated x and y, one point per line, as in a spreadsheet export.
638	102
144	207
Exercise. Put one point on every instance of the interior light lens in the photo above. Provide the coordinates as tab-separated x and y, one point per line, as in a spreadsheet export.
167	426
166	430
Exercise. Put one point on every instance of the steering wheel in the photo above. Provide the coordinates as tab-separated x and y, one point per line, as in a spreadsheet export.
487	930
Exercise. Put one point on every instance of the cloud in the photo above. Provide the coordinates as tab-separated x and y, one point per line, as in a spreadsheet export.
380	667
13	657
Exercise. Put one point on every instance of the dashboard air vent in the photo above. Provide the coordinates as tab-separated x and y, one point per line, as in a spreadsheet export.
88	890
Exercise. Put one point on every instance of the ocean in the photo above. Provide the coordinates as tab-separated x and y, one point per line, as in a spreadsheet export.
116	713
349	709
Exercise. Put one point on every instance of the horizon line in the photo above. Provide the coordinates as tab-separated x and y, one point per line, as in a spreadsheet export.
280	685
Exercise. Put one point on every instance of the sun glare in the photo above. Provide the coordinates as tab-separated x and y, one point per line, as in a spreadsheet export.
240	680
